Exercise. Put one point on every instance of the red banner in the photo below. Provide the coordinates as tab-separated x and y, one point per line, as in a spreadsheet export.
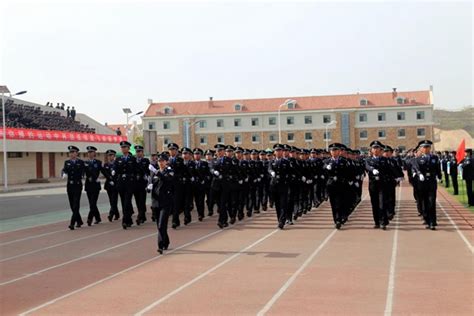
61	136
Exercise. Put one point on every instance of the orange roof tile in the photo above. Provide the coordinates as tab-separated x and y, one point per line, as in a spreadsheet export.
303	103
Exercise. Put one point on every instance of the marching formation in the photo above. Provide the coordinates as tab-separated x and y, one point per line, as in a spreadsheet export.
237	183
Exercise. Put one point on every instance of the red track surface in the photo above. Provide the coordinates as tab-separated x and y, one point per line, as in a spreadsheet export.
250	268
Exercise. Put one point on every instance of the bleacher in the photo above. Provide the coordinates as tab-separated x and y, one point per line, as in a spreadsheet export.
20	115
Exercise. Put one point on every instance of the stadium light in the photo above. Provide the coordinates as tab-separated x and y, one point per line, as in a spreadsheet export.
128	111
3	90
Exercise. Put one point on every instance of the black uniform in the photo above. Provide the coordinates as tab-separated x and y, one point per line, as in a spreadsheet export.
380	177
139	191
92	170
74	169
427	168
126	172
337	186
226	171
201	185
162	203
279	170
111	187
453	172
468	176
444	167
177	164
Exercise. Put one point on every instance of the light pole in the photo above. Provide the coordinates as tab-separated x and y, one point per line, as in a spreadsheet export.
326	135
128	111
3	90
279	121
188	130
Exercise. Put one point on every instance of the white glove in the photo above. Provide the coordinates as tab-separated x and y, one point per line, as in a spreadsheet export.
240	181
149	187
192	179
350	182
258	179
64	176
375	172
273	174
356	184
322	177
309	181
303	178
261	176
422	177
152	168
400	179
414	174
113	172
246	180
111	183
328	167
216	172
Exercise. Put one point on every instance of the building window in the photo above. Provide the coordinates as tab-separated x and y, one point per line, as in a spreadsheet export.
220	123
420	132
401	116
308	119
203	140
363	117
291	104
363	102
272	138
382	133
167	111
202	124
255	138
363	134
166	125
237	138
420	115
326	119
308	136
327	136
14	154
237	122
381	117
291	137
166	140
220	139
238	107
151	125
272	121
402	148
401	133
290	120
400	100
254	121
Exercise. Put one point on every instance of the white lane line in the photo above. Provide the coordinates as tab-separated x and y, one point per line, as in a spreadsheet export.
58	245
468	244
202	275
126	270
288	283
75	260
31	237
393	261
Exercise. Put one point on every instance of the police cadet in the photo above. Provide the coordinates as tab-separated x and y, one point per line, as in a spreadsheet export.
380	173
453	172
201	182
243	183
295	176
216	182
256	177
427	168
126	171
265	180
210	202
188	183
177	164
279	169
393	181
337	168
468	174
74	170
111	184
444	167
141	183
92	169
162	199
225	170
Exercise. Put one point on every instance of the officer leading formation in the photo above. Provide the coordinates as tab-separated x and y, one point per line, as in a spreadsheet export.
239	182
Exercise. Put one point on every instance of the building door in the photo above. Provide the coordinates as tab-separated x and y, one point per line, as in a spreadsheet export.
52	165
39	165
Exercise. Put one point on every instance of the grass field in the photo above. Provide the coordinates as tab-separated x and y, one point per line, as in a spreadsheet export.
462	196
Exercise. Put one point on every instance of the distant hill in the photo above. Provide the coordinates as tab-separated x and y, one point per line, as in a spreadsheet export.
455	120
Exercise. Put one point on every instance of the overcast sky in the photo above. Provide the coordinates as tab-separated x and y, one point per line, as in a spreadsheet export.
104	55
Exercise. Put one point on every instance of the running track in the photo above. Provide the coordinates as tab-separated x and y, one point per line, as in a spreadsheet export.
248	269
